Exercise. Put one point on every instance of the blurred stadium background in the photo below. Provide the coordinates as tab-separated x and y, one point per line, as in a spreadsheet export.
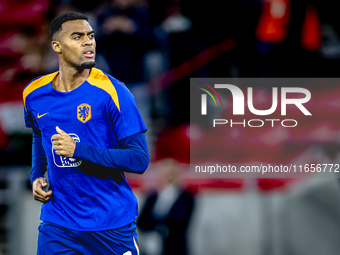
155	46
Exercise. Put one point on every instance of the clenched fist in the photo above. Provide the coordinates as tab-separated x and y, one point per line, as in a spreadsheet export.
63	144
38	193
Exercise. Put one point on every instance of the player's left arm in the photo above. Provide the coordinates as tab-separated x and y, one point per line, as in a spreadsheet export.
132	157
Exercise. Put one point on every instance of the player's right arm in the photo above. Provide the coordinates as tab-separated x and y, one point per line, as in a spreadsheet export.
39	167
39	160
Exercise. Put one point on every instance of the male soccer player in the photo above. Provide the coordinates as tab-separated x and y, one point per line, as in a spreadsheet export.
87	131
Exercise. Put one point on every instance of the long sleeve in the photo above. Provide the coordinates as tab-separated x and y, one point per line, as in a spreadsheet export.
132	157
39	161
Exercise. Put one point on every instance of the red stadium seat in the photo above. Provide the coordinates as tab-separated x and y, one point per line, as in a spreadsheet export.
28	13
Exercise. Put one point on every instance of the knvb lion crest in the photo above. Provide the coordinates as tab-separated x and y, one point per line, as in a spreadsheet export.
84	112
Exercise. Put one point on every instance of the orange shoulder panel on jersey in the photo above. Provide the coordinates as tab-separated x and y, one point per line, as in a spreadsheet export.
99	79
42	81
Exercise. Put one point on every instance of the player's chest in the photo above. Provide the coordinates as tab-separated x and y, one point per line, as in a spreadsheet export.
77	112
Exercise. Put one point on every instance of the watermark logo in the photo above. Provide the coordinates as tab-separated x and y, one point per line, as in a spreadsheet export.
204	98
238	99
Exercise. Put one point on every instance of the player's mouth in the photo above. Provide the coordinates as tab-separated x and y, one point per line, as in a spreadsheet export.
88	53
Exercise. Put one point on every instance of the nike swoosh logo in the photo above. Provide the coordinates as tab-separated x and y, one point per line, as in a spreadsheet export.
39	116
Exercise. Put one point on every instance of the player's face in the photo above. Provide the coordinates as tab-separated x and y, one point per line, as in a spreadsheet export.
77	44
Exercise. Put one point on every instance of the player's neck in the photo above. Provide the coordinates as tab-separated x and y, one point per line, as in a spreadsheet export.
69	78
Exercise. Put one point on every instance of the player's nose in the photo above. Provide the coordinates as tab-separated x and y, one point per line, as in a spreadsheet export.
88	42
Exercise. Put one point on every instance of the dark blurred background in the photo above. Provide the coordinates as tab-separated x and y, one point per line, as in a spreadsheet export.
154	47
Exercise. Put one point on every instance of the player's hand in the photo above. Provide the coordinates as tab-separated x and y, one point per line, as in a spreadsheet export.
38	193
63	144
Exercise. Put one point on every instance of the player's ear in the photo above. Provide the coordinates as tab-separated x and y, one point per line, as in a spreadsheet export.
56	46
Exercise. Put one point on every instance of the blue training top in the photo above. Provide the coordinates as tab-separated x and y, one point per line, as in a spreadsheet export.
90	191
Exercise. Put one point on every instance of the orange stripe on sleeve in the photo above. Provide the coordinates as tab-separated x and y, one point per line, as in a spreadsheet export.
99	79
42	81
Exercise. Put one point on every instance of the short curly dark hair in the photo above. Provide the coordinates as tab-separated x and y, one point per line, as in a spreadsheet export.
55	26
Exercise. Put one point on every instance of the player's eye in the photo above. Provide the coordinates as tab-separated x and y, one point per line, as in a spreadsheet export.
91	36
77	37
